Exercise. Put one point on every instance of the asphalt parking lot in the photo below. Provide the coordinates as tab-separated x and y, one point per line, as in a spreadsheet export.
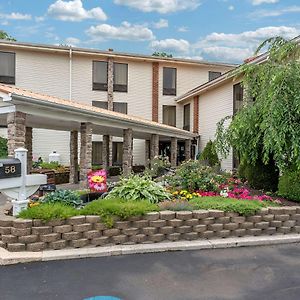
270	272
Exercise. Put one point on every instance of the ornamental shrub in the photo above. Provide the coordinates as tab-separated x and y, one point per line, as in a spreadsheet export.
66	197
261	176
289	185
3	147
210	155
135	187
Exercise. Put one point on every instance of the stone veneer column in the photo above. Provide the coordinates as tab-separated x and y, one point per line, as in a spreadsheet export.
127	151
74	156
154	146
85	152
28	146
155	90
196	115
105	151
173	152
147	153
187	149
16	131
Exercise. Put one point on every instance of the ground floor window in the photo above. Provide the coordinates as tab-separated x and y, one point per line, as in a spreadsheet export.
97	153
117	153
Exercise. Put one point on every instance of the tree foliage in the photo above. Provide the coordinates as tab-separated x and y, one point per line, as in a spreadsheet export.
162	54
268	126
5	36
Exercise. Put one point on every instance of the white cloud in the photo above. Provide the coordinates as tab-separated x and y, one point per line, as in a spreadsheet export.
171	45
39	19
16	16
162	23
74	11
160	6
259	2
231	7
126	31
276	12
183	29
238	46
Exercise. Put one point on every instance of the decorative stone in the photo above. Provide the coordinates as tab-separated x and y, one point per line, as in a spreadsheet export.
231	214
262	225
290	223
39	246
100	226
191	222
51	237
111	232
240	232
232	226
200	214
222	220
38	223
9	239
79	243
122	224
190	236
76	220
83	227
22	223
174	236
92	219
275	223
296	229
69	236
268	218
246	225
275	210
254	219
20	231
223	233
207	234
62	228
238	220
5	230
282	217
27	239
263	211
184	215
184	229
42	230
254	231
57	245
158	237
119	239
16	247
149	230
167	215
215	227
269	231
199	228
175	222
166	230
130	231
6	222
216	213
157	223
140	223
91	234
152	216
57	222
284	229
100	241
139	238
207	221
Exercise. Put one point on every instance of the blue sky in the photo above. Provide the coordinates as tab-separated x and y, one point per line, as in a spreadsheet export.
216	30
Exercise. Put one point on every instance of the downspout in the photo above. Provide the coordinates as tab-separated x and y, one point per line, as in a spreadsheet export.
70	73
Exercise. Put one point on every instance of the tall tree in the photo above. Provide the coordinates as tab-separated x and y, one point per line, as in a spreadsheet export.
5	36
162	54
268	126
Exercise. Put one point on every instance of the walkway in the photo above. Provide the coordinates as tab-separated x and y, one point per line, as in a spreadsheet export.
268	273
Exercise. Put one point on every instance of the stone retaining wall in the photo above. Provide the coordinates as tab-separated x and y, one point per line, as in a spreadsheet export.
82	231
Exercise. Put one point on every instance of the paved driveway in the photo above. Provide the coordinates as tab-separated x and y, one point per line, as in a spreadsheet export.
244	273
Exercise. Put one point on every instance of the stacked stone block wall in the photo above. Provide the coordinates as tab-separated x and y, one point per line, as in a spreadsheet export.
81	231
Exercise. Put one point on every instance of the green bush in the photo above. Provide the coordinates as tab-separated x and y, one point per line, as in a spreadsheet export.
49	211
176	205
261	176
51	165
3	147
210	155
242	207
65	197
137	187
193	176
289	185
159	165
108	208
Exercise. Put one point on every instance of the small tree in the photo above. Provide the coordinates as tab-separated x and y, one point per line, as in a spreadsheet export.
162	54
3	147
268	126
5	36
210	154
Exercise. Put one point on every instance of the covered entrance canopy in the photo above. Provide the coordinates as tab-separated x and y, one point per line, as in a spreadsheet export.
21	110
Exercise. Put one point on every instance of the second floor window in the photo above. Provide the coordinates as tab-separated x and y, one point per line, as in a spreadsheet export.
120	77
121	107
169	115
100	75
187	117
7	67
169	81
213	75
238	95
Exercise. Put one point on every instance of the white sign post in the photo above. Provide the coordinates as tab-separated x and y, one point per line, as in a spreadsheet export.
20	188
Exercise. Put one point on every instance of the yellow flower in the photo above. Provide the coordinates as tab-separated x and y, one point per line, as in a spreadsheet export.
97	179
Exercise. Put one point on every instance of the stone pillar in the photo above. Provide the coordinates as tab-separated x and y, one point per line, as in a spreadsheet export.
74	156
196	115
16	131
173	152
154	146
85	153
147	153
28	146
106	151
127	151
155	91
187	149
110	83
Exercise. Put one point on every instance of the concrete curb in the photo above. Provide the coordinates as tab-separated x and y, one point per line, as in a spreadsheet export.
10	258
